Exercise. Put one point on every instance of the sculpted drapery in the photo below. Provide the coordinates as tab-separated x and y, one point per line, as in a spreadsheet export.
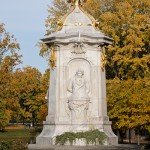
79	99
79	87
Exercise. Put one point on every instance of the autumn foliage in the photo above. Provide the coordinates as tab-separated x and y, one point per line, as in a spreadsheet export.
22	91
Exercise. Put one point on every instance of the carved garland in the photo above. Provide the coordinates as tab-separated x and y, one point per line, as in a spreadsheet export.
53	58
103	59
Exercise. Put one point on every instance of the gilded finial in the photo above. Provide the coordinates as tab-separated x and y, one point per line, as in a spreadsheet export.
76	2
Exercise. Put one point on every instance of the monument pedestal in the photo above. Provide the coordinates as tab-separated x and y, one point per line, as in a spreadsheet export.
118	147
49	133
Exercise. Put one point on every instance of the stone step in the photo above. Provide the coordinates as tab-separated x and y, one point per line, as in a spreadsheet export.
119	147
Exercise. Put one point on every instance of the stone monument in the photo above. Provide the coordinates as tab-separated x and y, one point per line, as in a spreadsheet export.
77	90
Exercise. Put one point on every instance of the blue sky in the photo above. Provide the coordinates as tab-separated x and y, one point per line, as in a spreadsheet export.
25	19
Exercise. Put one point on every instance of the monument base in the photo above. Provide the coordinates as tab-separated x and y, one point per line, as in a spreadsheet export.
52	147
50	131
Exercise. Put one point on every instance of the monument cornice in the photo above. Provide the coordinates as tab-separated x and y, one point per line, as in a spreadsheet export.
72	38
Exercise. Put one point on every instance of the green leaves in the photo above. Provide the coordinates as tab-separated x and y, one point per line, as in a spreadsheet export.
93	136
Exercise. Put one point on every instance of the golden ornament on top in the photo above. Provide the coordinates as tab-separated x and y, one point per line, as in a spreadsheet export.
79	2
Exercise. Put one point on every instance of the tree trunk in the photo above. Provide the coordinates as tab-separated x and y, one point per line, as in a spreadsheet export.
129	136
138	137
121	136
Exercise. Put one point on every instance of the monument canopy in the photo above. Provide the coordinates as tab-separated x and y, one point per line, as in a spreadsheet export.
77	23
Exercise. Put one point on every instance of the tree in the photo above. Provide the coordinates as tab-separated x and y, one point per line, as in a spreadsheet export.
128	103
25	87
44	84
8	43
127	22
4	115
8	60
58	9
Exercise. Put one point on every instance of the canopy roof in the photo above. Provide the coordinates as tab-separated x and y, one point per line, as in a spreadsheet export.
77	24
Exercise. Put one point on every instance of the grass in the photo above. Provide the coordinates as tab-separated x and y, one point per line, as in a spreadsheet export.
17	139
15	134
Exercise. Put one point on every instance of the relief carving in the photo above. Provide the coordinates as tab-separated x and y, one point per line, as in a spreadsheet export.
78	48
79	99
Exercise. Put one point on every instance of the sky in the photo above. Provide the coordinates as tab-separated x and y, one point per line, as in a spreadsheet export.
25	19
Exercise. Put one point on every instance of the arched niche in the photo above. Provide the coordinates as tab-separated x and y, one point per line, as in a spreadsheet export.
76	64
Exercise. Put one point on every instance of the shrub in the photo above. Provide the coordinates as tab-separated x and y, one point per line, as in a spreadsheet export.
93	137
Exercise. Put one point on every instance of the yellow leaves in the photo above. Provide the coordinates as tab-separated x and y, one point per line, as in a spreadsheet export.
44	50
42	113
127	23
128	102
30	87
4	114
8	43
56	12
28	115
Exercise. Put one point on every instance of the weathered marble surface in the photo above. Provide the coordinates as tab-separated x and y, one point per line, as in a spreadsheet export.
78	46
119	147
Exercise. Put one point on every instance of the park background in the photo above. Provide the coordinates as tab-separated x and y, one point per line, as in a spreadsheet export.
24	76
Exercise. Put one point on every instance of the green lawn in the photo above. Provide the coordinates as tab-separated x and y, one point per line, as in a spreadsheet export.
17	139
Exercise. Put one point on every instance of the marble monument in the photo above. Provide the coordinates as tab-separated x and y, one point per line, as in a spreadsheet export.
77	90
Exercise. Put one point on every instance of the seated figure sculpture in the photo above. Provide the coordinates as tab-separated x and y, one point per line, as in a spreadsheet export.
79	99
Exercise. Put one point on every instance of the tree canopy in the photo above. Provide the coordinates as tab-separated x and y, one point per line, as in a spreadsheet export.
128	103
8	60
22	91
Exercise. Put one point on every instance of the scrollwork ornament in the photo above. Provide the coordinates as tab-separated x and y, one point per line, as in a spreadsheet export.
96	24
53	58
59	24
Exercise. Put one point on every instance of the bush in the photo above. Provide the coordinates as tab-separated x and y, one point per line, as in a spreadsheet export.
94	136
4	145
13	145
